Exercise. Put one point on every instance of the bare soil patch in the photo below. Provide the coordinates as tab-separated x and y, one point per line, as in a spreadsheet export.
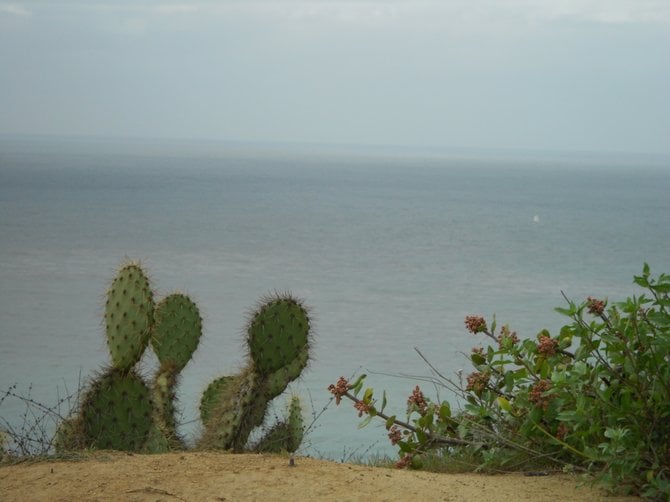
206	476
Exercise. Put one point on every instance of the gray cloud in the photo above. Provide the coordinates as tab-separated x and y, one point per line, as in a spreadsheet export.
518	74
14	9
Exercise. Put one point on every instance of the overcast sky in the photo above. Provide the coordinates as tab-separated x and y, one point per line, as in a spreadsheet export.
516	74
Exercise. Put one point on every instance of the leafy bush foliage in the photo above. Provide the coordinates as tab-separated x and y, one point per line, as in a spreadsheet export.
595	397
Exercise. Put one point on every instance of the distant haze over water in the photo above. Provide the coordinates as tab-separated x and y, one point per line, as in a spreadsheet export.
390	249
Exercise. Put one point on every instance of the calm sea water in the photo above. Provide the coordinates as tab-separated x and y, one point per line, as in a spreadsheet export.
390	252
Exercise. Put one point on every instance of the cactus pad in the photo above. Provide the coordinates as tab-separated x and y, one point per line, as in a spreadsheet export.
128	316
69	435
227	403
212	394
163	400
277	333
177	330
116	412
286	435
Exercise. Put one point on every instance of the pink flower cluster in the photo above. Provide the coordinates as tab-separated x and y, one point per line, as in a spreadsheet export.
395	435
418	399
475	324
547	346
595	306
404	461
339	389
536	395
361	407
562	431
506	334
477	382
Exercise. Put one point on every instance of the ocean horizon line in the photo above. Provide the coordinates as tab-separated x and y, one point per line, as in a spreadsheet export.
209	147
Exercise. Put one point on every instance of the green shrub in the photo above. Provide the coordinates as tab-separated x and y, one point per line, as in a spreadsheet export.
596	397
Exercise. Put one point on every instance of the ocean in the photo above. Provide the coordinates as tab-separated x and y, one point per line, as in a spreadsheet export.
390	250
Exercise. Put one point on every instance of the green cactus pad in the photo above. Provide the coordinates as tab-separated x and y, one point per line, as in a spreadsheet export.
277	333
296	425
116	412
276	383
163	399
286	435
177	330
211	395
156	442
69	435
128	316
226	406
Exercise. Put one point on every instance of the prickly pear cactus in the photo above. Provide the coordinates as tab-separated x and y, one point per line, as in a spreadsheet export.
176	333
212	393
276	383
229	403
277	333
278	338
286	435
295	425
128	316
163	399
116	412
177	330
119	411
70	435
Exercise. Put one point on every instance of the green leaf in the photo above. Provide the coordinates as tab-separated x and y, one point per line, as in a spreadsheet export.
472	408
567	416
504	404
367	397
509	381
565	312
641	281
384	401
365	422
358	384
520	374
661	288
529	346
445	411
477	358
535	414
501	362
390	421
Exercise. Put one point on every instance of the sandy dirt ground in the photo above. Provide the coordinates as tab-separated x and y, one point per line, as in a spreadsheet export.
197	476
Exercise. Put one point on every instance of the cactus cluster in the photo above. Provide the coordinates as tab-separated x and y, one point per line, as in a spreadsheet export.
278	340
119	410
